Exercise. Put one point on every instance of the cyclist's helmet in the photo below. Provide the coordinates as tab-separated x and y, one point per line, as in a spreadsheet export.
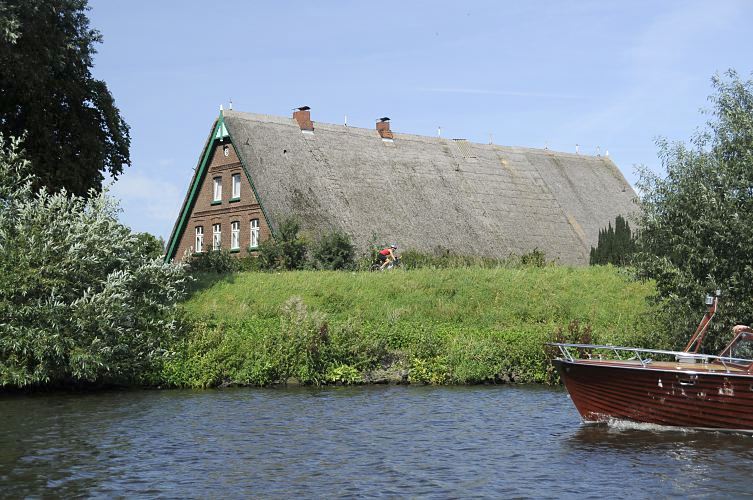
393	246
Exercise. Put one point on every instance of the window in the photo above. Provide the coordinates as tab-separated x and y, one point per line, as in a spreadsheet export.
216	237
199	245
217	198
235	235
254	233
236	186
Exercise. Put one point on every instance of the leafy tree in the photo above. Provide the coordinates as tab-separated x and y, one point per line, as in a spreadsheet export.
82	298
154	246
697	224
615	246
333	251
287	250
73	131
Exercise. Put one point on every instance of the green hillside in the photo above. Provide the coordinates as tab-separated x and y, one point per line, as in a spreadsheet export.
464	325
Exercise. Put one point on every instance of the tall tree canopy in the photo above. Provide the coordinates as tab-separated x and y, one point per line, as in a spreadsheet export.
696	230
73	131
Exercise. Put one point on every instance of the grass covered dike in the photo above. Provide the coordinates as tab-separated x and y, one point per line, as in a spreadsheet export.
438	326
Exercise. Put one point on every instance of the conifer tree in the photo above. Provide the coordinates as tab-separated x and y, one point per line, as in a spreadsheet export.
615	246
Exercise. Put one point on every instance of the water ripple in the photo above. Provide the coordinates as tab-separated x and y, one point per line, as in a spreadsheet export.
383	442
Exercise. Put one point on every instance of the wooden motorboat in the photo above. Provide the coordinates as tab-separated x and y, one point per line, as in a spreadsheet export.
670	388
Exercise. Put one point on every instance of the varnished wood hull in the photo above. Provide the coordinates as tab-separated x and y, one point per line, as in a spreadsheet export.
672	395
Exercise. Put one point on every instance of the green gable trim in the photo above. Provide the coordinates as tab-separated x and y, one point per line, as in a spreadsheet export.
219	133
173	244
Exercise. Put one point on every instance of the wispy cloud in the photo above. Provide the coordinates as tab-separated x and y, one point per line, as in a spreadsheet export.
149	204
510	93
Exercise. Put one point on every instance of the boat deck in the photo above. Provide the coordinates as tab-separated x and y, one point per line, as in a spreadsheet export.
712	367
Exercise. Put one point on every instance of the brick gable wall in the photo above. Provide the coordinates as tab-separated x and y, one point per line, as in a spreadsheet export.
206	214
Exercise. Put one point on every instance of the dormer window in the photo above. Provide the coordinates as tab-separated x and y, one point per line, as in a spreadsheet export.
217	196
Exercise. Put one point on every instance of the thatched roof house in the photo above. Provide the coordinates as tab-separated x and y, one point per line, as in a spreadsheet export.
424	193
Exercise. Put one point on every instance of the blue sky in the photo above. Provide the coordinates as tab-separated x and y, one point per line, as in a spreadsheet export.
594	73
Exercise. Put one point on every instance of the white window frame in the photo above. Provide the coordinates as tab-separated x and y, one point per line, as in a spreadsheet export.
254	233
217	193
216	236
235	235
236	183
199	241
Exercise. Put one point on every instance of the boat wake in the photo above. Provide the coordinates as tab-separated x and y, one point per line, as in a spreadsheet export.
628	425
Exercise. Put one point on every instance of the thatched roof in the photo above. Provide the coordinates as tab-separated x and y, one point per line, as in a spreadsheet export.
428	193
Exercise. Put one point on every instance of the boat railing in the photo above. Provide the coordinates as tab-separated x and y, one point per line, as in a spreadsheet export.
644	356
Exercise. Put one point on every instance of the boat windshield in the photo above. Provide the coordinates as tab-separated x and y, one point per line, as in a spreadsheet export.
741	347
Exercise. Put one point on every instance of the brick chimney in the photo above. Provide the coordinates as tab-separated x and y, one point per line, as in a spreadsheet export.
303	116
383	127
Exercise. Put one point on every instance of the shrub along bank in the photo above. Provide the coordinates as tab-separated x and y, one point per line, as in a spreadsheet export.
441	326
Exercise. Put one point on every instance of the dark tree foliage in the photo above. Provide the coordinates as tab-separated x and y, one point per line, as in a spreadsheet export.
73	131
213	261
616	245
287	250
697	223
333	251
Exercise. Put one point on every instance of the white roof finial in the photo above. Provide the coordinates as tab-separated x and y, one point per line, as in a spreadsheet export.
439	131
231	104
220	108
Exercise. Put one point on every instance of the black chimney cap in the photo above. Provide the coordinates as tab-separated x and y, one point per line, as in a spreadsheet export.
384	119
303	108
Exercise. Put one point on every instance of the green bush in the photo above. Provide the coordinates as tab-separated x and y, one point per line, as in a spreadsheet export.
213	261
333	251
534	258
286	250
82	298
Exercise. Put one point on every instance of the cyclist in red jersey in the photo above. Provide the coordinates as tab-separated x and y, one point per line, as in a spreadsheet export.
386	255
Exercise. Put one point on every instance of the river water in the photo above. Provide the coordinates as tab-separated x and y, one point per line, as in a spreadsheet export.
383	441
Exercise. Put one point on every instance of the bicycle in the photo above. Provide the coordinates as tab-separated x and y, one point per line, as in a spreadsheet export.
377	266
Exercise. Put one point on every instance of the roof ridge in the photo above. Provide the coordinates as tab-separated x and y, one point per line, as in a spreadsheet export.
283	120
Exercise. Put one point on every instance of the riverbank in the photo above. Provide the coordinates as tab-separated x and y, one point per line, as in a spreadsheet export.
438	326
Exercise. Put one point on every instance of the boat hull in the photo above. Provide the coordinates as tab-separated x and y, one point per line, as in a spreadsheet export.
603	391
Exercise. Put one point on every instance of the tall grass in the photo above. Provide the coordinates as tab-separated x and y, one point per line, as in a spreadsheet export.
459	325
